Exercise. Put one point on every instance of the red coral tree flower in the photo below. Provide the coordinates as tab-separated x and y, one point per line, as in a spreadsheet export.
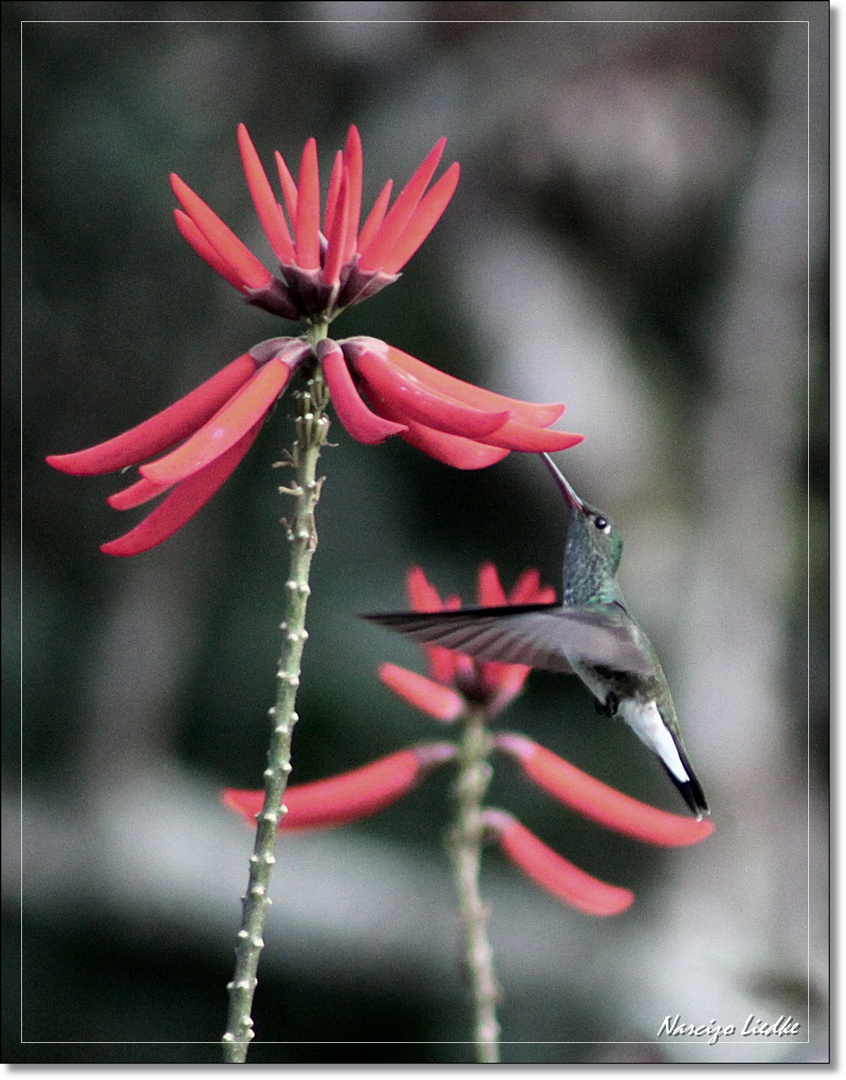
327	262
324	266
456	679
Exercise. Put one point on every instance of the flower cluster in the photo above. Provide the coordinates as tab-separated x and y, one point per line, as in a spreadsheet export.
455	684
455	680
324	266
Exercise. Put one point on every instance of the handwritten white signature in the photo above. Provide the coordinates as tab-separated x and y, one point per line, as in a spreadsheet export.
784	1026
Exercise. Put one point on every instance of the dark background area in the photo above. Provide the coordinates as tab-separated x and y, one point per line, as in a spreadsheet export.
640	231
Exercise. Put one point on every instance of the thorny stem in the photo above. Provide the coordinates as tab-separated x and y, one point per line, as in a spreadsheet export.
466	853
311	429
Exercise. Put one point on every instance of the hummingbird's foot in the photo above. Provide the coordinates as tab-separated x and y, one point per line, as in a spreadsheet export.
609	706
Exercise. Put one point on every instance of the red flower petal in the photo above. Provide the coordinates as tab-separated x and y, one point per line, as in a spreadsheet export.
452	450
417	401
289	187
598	801
422	596
308	210
376	216
533	440
549	870
253	273
198	242
524	411
164	429
398	216
355	170
271	217
430	697
489	589
501	683
337	241
225	428
423	220
348	797
360	422
332	194
528	590
182	503
136	494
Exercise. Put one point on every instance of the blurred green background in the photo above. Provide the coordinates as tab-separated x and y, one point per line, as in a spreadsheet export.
640	231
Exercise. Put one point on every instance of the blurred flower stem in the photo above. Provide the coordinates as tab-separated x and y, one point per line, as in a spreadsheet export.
311	429
465	847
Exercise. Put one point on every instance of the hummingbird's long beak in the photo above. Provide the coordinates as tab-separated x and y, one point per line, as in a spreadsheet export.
572	498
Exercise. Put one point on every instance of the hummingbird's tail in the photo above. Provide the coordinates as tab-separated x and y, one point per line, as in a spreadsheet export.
690	789
659	732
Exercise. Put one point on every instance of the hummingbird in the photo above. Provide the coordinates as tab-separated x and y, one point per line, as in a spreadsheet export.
591	633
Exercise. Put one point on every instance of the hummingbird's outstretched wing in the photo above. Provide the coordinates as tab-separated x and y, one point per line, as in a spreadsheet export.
539	635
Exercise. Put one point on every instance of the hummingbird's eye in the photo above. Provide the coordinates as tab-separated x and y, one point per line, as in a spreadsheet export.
602	524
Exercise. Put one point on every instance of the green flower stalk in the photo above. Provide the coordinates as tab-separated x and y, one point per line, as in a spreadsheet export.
465	850
311	428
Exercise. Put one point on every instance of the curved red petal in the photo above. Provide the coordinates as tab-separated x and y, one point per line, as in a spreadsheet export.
417	401
354	166
528	590
337	237
220	237
421	595
136	494
429	697
524	411
443	663
289	187
308	210
271	217
514	435
225	428
452	450
500	684
489	588
375	217
423	220
164	429
212	256
182	503
425	597
332	193
598	801
398	216
360	422
555	874
348	797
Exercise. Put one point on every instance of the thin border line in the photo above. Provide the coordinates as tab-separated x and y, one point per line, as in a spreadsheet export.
473	22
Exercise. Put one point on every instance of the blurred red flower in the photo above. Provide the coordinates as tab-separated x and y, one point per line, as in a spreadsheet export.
454	678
